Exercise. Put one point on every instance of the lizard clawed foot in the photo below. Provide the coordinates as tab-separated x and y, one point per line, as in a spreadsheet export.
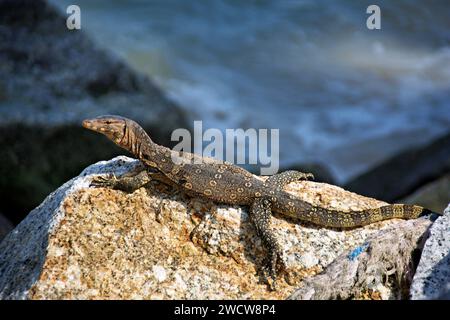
273	265
280	180
309	176
104	181
260	213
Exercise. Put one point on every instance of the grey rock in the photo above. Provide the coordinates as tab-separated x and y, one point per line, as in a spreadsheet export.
445	293
378	269
432	277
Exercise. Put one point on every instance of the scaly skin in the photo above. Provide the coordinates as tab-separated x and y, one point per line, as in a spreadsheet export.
226	183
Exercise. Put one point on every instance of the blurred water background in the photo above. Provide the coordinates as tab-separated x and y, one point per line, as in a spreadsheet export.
340	94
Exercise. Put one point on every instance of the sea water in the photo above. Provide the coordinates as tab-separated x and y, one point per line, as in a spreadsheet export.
341	94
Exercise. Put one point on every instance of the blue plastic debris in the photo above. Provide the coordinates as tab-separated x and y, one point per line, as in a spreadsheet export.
358	250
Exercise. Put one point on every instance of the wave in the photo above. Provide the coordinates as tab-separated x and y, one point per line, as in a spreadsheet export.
338	92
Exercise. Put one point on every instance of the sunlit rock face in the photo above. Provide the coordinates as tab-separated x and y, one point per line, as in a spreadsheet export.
157	243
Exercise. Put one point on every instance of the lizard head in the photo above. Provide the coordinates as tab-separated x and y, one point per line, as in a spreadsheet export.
114	127
124	132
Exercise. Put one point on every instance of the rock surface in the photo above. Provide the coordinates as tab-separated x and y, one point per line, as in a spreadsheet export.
157	243
406	172
432	278
364	272
51	78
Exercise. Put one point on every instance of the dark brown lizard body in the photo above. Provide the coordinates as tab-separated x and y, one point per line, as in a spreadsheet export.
226	183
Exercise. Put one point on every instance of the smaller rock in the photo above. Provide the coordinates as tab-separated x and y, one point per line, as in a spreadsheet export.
432	277
378	269
445	293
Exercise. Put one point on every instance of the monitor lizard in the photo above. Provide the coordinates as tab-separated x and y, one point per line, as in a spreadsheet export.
226	183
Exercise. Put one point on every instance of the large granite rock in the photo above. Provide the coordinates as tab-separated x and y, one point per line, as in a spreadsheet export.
157	243
406	172
51	78
432	278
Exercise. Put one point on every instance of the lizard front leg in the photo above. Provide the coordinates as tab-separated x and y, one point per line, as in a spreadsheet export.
132	180
260	213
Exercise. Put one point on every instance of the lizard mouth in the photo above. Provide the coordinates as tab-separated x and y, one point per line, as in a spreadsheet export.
87	124
90	125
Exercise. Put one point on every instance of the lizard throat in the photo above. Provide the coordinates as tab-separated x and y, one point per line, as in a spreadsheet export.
135	140
131	141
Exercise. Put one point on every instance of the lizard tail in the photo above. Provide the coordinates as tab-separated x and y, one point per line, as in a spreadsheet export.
342	219
349	219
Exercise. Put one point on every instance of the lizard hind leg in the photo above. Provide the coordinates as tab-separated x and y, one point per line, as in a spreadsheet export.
260	213
282	179
128	182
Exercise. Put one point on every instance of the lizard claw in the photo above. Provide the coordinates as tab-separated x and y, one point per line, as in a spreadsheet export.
309	176
107	181
303	176
273	264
